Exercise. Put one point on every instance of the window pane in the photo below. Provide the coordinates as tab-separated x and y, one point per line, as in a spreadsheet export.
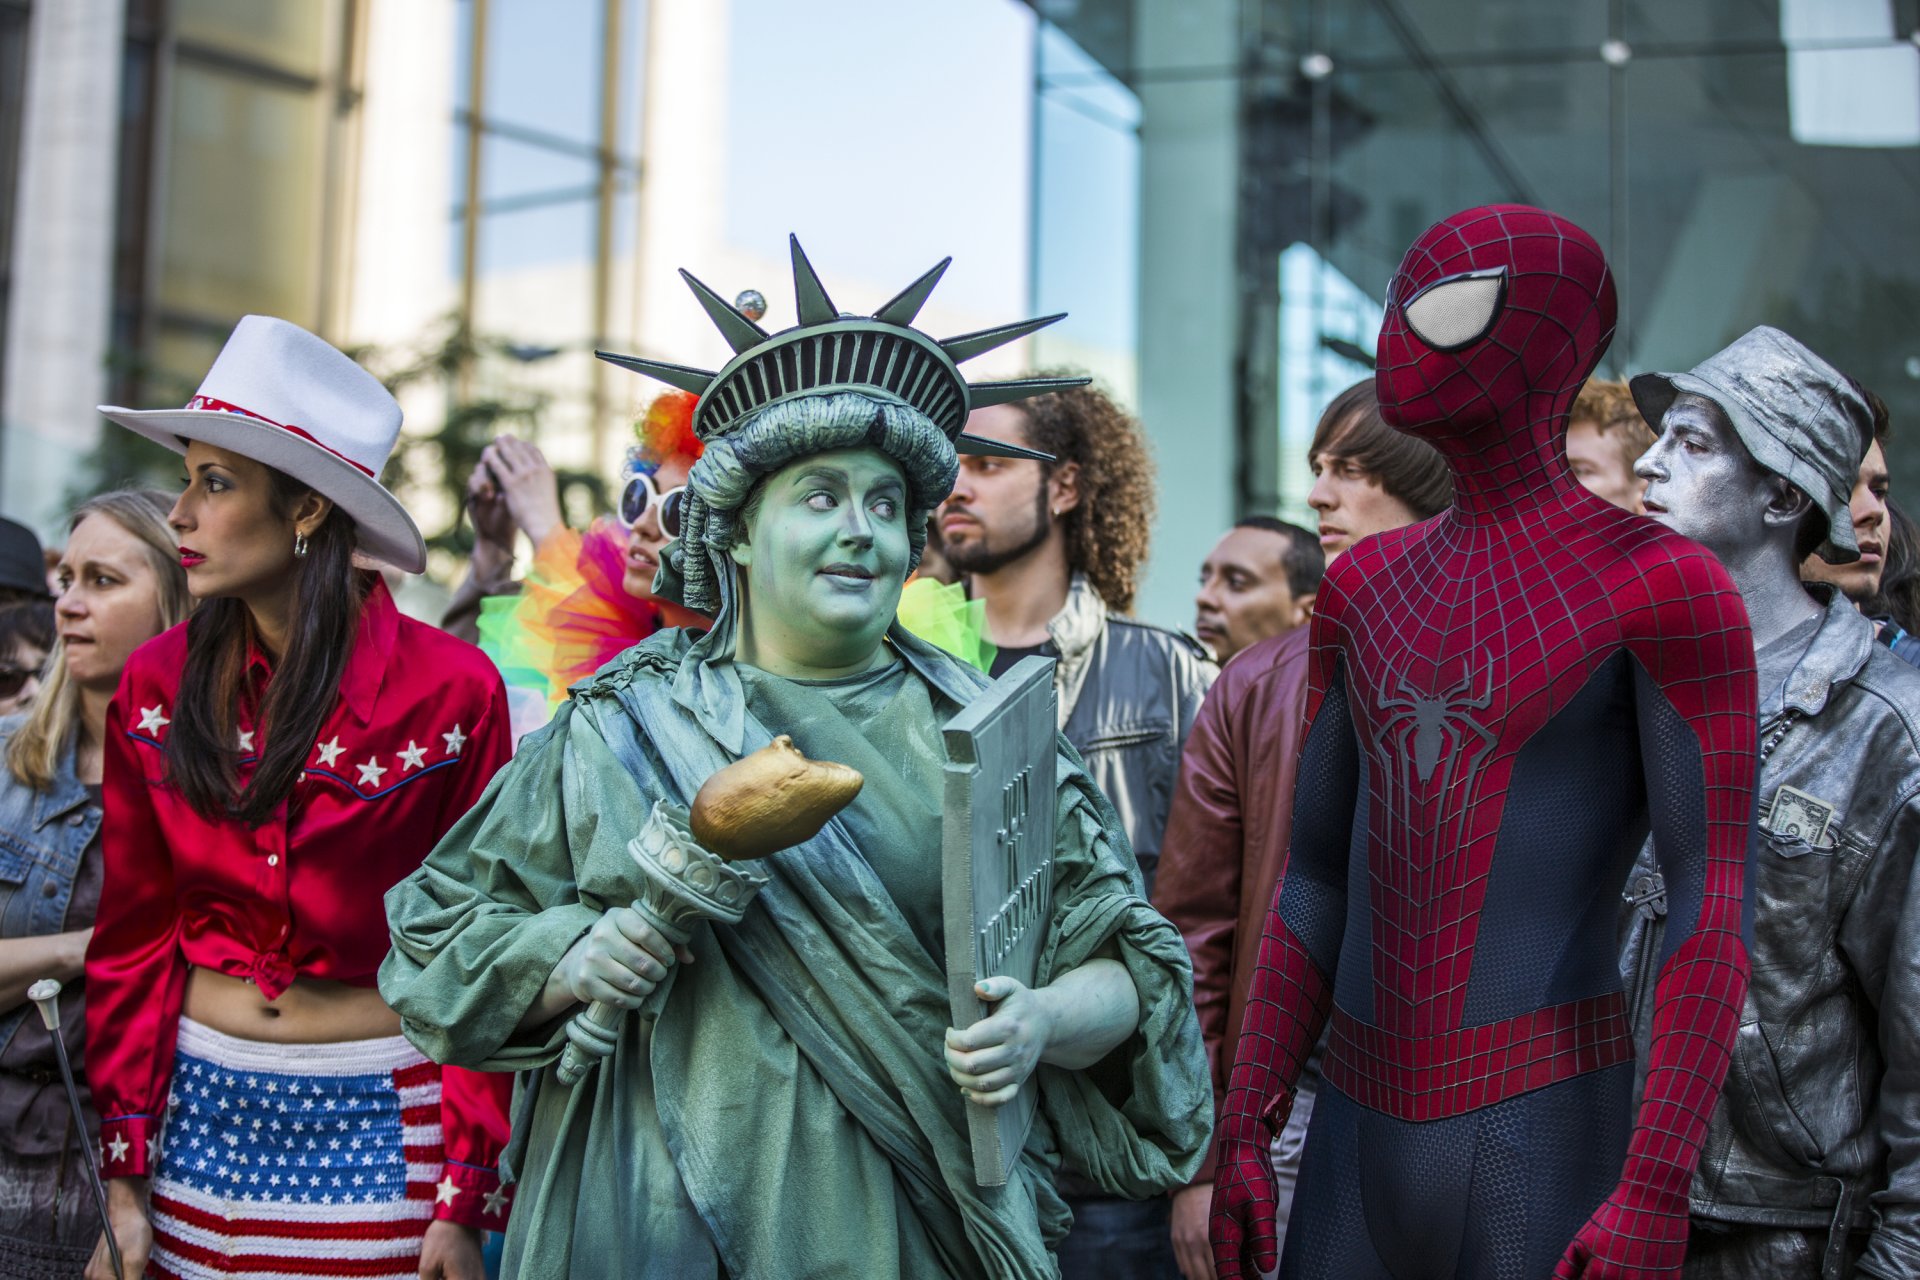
291	34
1087	234
1735	224
543	65
243	197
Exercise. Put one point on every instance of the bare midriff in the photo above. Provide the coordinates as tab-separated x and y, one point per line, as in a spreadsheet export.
311	1011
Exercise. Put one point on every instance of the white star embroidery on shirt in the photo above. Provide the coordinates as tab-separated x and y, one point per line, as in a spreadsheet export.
455	741
119	1146
153	1147
246	739
414	757
446	1191
329	751
151	718
496	1202
370	772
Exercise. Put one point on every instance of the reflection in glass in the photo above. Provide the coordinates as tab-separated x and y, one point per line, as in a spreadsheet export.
244	175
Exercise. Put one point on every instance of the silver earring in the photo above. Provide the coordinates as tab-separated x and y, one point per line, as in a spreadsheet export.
299	546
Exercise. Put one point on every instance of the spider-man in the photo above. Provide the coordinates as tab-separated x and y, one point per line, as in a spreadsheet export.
1503	700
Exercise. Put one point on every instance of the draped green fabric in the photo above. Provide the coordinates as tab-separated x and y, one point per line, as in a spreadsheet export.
789	1114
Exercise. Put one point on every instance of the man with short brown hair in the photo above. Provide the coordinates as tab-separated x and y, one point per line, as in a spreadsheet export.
1233	808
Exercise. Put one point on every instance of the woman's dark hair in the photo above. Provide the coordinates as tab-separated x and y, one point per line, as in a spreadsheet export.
1899	594
1408	468
29	623
203	752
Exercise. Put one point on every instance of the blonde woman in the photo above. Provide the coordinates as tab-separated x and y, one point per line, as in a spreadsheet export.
120	585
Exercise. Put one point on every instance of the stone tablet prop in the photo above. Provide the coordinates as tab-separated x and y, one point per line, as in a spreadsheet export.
997	871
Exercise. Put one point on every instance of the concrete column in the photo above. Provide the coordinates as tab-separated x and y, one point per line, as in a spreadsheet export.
1189	158
59	314
400	228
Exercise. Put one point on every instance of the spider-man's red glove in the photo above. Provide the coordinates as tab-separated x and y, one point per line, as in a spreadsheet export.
1640	1231
1287	1005
1635	1234
1245	1196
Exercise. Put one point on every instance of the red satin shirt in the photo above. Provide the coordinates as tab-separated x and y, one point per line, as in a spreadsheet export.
419	729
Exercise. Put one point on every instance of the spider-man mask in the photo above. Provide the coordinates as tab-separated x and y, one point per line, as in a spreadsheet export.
1494	320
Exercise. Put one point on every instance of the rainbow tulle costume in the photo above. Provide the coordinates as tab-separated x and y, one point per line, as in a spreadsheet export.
573	614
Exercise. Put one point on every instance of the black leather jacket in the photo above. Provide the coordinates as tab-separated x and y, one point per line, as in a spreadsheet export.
1819	1122
1128	693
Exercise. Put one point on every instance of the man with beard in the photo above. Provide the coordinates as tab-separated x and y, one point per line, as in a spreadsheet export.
1054	550
1811	1165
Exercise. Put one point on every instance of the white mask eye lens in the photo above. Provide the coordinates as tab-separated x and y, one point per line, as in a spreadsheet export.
1449	315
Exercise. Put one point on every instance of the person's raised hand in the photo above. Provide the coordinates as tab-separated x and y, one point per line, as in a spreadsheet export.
991	1059
528	483
621	960
493	525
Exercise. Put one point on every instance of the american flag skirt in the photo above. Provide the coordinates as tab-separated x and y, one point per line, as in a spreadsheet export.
285	1160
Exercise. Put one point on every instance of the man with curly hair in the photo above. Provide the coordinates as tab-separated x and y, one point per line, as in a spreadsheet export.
1055	551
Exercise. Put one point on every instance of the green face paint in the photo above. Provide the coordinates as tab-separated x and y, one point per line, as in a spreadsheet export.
824	559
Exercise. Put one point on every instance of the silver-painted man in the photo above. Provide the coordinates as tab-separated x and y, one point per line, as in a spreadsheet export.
1812	1162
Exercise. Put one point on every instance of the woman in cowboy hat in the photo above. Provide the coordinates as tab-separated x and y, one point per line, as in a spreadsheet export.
797	1106
271	767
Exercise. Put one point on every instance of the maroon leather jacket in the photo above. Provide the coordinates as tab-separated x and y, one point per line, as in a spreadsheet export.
1226	841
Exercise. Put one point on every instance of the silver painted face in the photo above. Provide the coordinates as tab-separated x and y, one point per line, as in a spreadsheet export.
1702	482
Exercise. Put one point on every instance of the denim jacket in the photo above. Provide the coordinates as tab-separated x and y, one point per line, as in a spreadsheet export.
1819	1121
43	837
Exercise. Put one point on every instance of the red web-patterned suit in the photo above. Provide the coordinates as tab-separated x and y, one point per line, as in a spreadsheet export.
1503	701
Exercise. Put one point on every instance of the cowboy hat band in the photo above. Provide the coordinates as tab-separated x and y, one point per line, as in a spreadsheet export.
269	379
221	406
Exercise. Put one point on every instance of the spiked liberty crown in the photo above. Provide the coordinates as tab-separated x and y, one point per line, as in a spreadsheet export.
828	351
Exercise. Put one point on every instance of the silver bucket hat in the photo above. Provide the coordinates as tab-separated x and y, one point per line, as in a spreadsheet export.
1798	416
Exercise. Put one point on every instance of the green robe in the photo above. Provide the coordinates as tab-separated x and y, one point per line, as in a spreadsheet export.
790	1113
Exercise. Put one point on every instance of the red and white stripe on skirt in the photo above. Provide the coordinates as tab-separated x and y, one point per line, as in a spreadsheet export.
282	1161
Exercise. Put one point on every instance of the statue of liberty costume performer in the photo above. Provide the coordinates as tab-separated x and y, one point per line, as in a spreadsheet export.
787	1106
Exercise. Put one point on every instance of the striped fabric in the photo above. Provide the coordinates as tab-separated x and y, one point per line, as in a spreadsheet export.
295	1160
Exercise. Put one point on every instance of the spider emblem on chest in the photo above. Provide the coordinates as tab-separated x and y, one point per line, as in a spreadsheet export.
1429	726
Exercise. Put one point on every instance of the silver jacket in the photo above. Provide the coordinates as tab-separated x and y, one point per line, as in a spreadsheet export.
1128	693
1819	1122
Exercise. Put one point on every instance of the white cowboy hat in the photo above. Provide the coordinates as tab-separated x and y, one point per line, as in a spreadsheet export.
280	396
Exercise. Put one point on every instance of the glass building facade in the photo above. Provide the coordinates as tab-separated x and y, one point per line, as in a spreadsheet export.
1742	162
1216	191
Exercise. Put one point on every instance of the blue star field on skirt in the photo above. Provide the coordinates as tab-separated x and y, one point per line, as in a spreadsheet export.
306	1139
283	1161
